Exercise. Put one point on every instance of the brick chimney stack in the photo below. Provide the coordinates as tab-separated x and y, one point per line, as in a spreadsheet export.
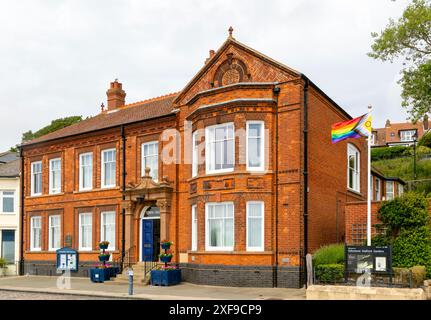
116	95
425	122
388	123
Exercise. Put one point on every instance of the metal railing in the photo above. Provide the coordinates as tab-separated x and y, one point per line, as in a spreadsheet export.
402	279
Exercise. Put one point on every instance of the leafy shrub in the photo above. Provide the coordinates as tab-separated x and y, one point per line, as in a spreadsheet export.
413	248
408	211
329	272
380	240
388	152
418	275
330	254
425	140
3	263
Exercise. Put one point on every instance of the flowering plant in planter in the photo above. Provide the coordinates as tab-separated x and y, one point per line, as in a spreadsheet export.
166	244
104	256
165	257
103	244
168	268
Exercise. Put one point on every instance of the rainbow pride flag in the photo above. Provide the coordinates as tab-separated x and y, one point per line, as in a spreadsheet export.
355	128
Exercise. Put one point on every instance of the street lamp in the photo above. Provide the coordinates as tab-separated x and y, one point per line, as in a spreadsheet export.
415	138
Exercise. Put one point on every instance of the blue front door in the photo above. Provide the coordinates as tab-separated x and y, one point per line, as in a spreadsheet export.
147	240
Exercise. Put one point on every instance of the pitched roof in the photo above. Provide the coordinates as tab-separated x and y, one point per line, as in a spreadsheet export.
8	156
134	112
10	169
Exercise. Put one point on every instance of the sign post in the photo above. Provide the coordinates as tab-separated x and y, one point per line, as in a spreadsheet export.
130	272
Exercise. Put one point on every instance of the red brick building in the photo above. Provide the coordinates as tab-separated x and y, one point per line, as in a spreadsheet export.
243	177
399	134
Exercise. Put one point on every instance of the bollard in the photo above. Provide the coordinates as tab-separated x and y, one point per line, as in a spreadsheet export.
130	282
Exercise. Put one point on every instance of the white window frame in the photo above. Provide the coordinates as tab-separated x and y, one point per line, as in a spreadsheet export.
400	188
195	157
262	246
194	246
50	233
377	193
32	247
209	141
207	233
143	157
393	190
2	196
351	150
407	135
51	177
102	170
262	146
32	183
102	231
81	172
81	248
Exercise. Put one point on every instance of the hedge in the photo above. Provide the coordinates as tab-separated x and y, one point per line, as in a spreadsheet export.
330	273
388	152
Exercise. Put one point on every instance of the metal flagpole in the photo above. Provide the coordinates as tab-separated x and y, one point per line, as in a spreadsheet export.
369	186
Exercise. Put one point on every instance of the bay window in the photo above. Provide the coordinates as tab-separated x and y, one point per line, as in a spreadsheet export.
194	154
86	231
194	228
255	226
86	171
353	169
150	159
220	148
35	233
255	145
107	232
54	233
55	176
219	229
36	178
108	168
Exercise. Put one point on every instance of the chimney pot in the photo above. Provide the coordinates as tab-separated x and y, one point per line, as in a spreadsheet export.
388	123
116	95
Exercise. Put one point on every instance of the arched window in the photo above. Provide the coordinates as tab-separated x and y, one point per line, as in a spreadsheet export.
353	168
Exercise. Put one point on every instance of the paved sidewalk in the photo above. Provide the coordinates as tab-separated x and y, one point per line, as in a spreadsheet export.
183	291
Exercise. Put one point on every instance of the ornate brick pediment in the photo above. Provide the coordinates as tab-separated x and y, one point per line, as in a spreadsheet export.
148	185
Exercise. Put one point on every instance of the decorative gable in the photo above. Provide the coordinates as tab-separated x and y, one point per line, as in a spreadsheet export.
233	63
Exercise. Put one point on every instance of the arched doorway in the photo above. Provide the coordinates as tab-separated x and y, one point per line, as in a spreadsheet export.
149	244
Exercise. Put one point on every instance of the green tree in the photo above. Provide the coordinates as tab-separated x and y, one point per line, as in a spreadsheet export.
54	126
410	38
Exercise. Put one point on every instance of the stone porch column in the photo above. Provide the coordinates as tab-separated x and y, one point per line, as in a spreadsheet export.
165	209
129	207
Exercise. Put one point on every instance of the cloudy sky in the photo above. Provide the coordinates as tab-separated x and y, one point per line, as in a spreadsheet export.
58	57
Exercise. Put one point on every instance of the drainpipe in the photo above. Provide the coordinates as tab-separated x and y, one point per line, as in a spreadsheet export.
123	188
305	173
21	245
276	91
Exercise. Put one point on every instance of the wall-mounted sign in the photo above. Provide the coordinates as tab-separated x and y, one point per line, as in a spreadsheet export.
359	259
67	259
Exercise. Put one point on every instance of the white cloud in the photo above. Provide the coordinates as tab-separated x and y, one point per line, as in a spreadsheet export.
57	58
